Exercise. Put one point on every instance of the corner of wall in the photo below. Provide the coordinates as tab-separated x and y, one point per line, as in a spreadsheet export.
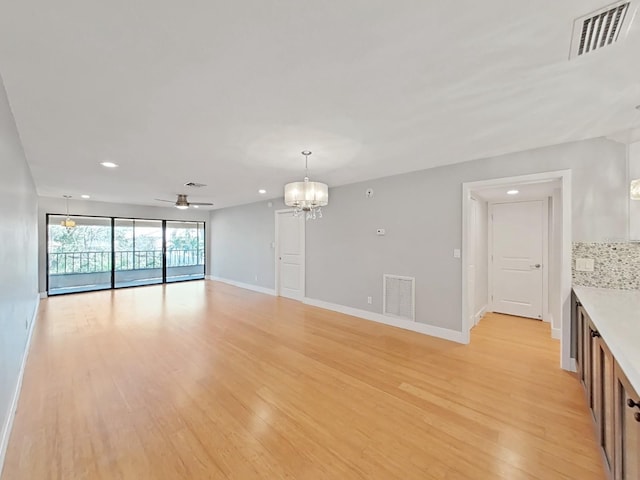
5	433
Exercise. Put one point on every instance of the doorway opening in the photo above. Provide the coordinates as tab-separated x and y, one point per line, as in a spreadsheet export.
290	254
516	255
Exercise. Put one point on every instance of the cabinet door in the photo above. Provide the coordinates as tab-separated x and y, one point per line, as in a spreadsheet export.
580	343
589	341
584	357
627	429
603	399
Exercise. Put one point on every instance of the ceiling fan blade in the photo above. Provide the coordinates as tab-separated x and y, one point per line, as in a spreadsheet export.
200	203
161	200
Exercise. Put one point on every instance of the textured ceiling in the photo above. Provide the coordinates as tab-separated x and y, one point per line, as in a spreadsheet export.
229	93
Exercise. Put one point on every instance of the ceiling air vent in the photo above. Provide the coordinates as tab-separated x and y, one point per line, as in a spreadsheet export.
600	28
194	185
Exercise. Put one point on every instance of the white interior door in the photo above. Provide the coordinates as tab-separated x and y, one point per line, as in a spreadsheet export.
517	251
290	255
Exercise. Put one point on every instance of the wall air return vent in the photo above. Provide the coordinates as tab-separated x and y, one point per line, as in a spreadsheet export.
601	28
399	297
194	185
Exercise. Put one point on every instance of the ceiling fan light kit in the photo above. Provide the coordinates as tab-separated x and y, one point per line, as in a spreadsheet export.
182	203
306	197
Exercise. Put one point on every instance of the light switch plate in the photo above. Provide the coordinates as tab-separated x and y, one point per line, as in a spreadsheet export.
584	264
456	253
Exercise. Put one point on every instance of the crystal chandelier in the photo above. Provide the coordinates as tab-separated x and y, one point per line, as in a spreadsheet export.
306	196
67	222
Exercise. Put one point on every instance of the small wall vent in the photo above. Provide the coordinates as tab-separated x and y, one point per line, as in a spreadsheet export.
398	296
601	28
194	185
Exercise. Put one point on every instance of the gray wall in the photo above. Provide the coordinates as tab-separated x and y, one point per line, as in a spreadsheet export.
242	239
18	258
88	207
555	258
422	214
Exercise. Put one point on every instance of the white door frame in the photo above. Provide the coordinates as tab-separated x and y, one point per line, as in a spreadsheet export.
545	253
566	362
277	252
473	252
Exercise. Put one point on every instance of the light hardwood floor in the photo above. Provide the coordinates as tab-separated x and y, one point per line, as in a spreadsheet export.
205	380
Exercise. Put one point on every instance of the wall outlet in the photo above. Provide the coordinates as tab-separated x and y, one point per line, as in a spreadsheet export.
369	300
369	193
456	253
585	264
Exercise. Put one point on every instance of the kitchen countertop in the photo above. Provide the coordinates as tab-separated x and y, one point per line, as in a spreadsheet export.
616	315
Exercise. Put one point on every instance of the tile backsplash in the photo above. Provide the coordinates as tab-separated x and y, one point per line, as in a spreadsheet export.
617	265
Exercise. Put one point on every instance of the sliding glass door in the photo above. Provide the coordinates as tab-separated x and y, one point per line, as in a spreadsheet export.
102	252
138	252
79	257
185	251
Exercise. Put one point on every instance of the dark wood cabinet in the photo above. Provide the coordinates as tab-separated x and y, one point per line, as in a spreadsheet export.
627	428
613	402
584	354
603	401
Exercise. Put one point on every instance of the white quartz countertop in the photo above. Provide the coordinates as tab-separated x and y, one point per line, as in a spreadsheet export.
616	315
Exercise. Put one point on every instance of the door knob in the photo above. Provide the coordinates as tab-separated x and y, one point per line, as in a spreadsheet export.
537	265
631	403
595	333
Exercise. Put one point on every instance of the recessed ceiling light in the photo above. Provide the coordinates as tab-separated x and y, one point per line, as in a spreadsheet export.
196	206
85	196
513	192
109	164
262	191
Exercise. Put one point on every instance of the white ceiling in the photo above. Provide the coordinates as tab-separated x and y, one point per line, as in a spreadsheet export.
229	93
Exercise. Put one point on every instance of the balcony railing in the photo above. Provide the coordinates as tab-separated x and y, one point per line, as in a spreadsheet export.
96	262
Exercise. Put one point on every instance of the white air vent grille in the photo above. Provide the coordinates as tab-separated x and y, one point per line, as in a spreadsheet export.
194	185
399	296
600	28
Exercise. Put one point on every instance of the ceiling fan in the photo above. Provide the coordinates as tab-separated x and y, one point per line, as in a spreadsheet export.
182	203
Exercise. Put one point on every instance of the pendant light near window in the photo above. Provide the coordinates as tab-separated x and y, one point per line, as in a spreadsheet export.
67	222
306	196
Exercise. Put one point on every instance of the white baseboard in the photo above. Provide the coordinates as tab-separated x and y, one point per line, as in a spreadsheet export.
6	428
556	333
478	316
423	328
43	295
247	286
